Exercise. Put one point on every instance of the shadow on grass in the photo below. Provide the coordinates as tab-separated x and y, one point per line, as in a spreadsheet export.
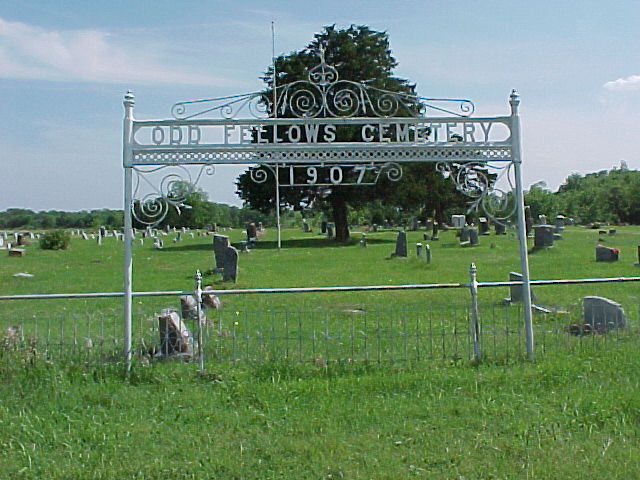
272	245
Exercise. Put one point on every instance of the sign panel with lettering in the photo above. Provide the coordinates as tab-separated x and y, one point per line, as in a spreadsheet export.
332	139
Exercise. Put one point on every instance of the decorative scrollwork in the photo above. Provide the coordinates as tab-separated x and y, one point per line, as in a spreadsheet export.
171	192
322	74
499	204
226	107
323	94
259	174
393	171
477	181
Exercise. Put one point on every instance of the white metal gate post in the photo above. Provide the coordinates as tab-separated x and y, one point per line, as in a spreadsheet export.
516	142
127	140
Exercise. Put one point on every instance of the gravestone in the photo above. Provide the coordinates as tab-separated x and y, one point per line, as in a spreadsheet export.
611	231
17	252
374	227
158	243
542	219
305	226
500	228
189	309
329	230
483	226
244	246
558	224
401	245
464	235
226	258
473	236
363	240
220	244
323	227
413	224
1	241
260	227
427	253
418	250
252	233
99	239
606	254
85	236
528	220
175	337
458	221
230	265
542	236
434	231
189	305
515	291
601	315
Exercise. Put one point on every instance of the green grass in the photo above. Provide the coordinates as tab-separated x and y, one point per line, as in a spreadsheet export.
574	414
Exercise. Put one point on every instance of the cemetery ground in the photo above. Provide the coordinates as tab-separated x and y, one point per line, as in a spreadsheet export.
68	410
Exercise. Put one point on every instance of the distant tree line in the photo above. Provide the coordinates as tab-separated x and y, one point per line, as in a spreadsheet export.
22	218
607	196
201	214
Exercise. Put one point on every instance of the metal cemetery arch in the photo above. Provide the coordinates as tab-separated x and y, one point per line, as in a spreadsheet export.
390	135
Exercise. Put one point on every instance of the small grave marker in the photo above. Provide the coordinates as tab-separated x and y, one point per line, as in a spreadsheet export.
606	254
600	315
401	245
175	337
543	236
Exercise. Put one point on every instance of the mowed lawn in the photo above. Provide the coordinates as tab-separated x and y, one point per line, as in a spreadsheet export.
573	414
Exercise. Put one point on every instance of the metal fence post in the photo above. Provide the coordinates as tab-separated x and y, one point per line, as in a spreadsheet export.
127	267
514	101
198	295
474	329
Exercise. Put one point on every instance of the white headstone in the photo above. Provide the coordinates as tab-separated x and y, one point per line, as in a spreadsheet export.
458	221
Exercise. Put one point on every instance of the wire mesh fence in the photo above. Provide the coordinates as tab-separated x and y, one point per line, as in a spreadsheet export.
321	327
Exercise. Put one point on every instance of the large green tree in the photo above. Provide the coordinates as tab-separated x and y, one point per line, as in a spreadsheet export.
359	55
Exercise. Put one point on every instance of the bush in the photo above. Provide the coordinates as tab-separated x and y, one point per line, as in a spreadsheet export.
57	240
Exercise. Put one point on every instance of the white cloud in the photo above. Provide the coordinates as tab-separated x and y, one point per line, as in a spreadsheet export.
28	51
631	82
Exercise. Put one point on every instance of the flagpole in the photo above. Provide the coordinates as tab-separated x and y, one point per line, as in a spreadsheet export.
275	115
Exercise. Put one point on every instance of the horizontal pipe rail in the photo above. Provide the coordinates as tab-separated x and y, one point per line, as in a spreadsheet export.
254	291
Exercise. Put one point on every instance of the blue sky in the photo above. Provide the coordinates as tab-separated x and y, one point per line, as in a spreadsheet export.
65	65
